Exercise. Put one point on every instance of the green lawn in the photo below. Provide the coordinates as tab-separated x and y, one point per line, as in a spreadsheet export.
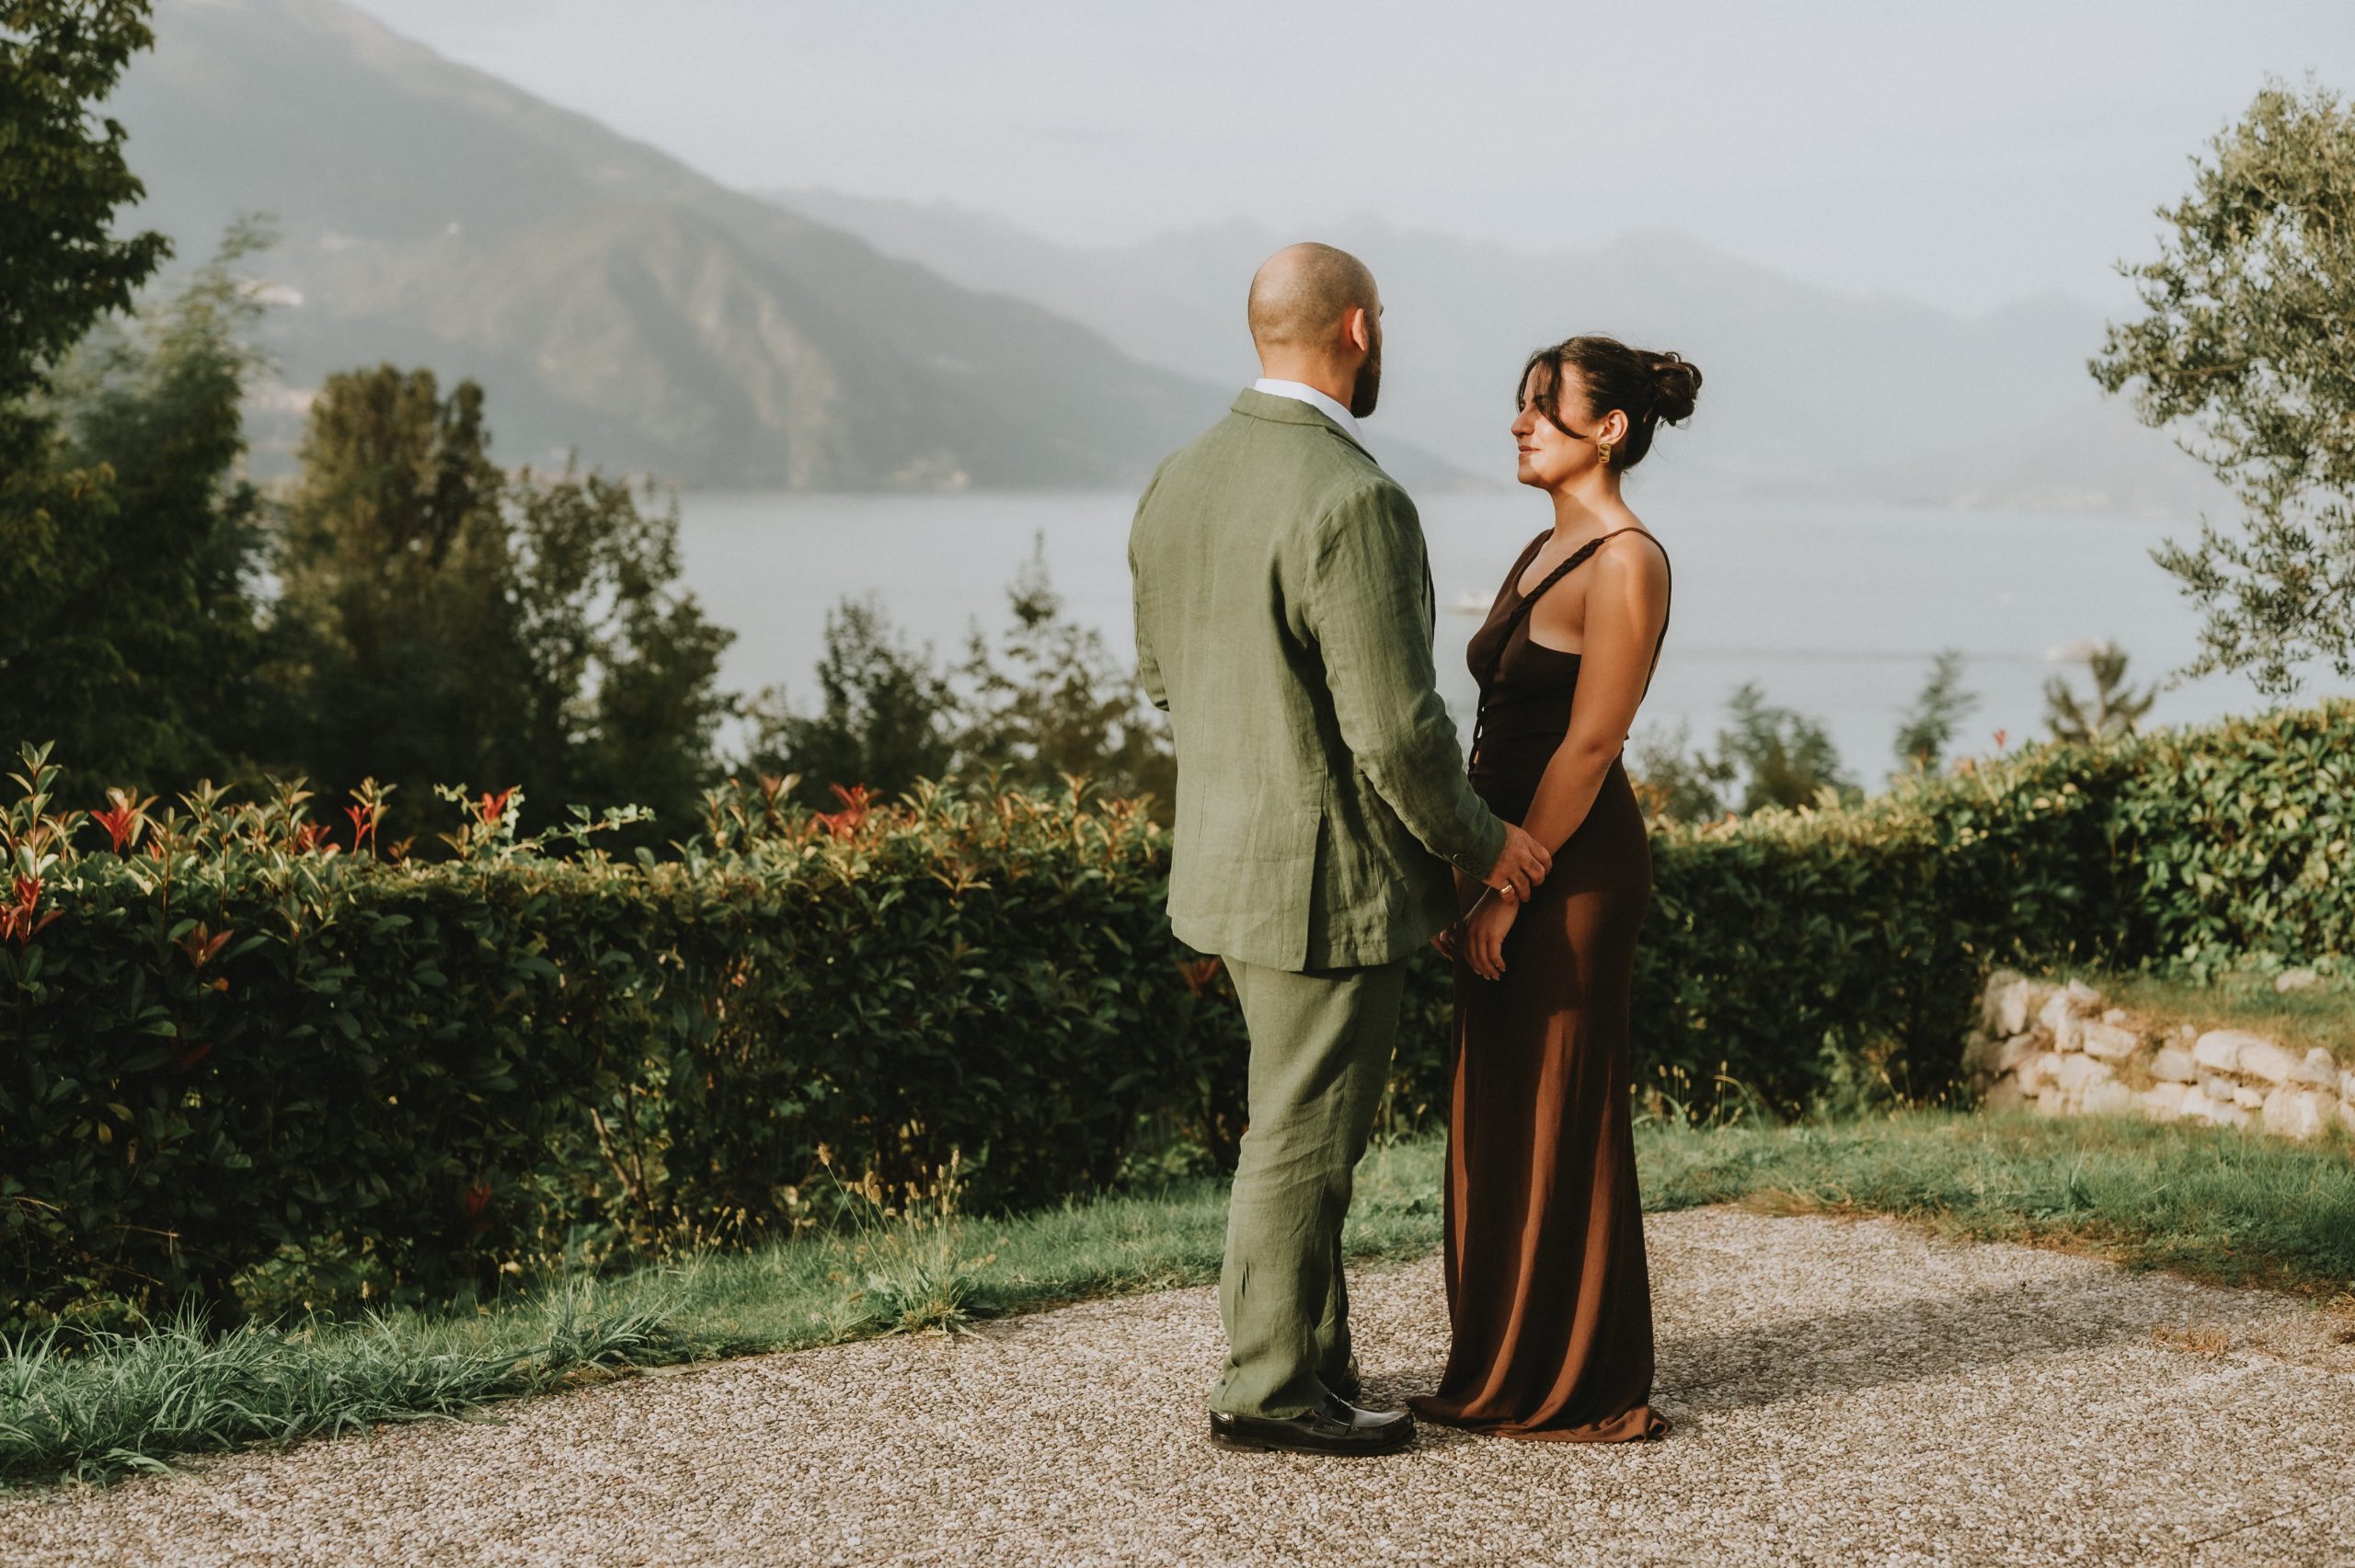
2323	1015
2219	1205
2213	1204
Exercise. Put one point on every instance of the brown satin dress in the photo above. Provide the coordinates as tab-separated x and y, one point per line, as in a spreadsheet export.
1547	1294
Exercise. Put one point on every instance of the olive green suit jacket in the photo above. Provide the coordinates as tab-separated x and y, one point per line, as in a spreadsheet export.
1285	616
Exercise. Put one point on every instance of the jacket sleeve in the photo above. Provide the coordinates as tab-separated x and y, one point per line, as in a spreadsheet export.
1370	607
1156	690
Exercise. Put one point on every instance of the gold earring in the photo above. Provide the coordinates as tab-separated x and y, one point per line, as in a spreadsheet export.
1606	451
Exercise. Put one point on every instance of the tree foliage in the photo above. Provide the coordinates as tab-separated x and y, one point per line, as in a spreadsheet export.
143	656
2116	708
1766	756
622	668
1678	781
62	177
1053	701
62	267
1048	701
2251	337
404	663
1929	727
445	618
883	716
1784	757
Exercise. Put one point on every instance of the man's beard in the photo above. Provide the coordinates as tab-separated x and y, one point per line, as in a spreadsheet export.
1367	389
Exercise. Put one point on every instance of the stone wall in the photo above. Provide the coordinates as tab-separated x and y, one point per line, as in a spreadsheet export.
2064	1050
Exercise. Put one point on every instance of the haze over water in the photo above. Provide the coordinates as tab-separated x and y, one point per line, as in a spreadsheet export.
1836	610
1809	201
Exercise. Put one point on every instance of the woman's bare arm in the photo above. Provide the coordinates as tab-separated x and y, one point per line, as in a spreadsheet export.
1626	605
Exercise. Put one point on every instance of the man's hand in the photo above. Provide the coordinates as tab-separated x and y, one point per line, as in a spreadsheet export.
1523	865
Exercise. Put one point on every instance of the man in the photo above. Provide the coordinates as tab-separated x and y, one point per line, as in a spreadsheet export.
1285	617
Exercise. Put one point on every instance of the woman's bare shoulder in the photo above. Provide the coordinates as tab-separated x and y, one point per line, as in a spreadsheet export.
1634	550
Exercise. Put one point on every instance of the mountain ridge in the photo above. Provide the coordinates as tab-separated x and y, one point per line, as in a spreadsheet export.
1810	392
610	299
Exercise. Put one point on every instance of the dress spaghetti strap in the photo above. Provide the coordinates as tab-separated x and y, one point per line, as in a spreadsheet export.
1578	559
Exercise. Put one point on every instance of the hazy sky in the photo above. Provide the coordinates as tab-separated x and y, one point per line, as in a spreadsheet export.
1966	154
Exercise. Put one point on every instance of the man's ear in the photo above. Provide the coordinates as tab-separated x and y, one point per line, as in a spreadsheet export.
1358	329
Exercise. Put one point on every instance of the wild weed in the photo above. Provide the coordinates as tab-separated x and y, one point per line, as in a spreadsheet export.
910	1255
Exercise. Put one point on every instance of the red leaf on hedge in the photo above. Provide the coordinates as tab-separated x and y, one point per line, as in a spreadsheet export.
202	944
844	823
1199	973
17	923
119	823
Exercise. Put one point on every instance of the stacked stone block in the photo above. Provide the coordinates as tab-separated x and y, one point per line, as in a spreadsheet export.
2062	1050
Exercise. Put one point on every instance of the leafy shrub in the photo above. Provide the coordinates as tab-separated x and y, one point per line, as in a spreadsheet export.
230	1038
233	1038
2238	839
1048	701
1829	957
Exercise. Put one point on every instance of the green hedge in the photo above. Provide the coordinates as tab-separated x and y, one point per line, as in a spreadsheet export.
233	1046
239	1043
1835	955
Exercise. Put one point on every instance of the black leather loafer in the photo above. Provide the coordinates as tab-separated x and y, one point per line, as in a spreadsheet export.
1334	1428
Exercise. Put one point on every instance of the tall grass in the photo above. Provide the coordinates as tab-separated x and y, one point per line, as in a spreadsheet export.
124	1402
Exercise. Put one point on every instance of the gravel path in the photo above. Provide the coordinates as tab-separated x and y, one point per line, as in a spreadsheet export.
1845	1392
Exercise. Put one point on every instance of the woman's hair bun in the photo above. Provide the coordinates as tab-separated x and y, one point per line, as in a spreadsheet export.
1676	382
1649	388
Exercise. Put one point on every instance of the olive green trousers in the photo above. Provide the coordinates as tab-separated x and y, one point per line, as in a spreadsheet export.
1320	1051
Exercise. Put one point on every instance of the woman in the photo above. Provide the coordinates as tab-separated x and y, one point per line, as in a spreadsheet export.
1547	1294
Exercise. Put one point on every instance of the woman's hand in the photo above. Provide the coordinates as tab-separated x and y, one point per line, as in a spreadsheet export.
1484	932
1448	940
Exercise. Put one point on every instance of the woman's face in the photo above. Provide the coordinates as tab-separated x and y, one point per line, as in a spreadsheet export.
1550	457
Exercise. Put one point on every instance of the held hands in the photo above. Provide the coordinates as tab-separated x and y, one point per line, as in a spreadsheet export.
1481	934
1523	865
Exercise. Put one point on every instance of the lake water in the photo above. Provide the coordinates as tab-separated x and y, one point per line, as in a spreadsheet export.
1836	610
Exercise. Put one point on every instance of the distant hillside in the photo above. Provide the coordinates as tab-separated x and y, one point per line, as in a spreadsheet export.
1810	392
607	296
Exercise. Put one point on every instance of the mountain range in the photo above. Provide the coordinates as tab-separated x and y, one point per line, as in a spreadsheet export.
616	303
1808	393
609	298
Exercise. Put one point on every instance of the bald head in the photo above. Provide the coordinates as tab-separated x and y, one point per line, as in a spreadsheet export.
1300	294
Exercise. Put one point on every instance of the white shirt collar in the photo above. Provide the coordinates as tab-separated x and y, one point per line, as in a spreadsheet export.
1300	391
